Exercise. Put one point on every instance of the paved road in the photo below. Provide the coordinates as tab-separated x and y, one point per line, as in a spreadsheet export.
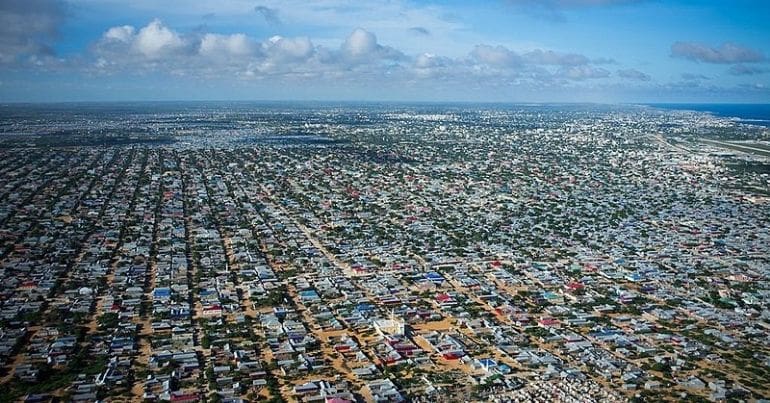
739	147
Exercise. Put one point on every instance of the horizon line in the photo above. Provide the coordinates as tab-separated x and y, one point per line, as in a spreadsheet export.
352	101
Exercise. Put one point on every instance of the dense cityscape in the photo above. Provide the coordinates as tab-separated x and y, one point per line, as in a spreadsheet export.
338	253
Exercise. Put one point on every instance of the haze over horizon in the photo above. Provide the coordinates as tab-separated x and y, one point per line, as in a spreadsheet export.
605	51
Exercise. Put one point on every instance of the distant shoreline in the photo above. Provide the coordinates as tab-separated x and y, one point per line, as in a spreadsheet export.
755	114
748	113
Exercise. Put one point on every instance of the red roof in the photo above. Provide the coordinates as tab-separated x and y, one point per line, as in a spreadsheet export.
443	297
574	286
452	356
548	321
189	397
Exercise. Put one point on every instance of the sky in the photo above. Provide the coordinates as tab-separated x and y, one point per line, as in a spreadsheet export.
604	51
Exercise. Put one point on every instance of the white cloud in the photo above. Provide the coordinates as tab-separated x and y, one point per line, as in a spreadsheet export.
360	43
123	33
155	40
497	56
289	49
429	65
538	66
361	46
429	60
235	45
359	56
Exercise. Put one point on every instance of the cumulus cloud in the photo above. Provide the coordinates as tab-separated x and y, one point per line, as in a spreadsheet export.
537	66
287	57
28	28
359	56
427	65
360	43
235	45
633	74
744	70
495	56
536	62
429	60
727	53
156	40
123	34
157	47
282	49
362	46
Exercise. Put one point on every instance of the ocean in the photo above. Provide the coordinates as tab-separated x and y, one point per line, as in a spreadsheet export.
755	114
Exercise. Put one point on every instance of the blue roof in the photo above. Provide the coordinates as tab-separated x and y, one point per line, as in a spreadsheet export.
308	294
488	362
162	292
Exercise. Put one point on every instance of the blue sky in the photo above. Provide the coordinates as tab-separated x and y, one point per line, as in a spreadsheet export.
499	51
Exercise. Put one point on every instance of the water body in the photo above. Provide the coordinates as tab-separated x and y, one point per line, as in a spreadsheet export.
755	114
